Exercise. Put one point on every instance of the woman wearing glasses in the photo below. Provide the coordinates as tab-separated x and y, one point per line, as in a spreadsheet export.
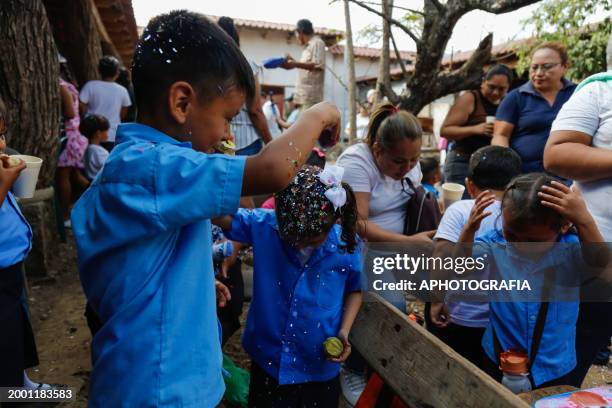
525	116
466	123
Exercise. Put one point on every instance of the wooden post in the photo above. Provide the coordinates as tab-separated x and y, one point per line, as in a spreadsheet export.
422	370
351	74
29	82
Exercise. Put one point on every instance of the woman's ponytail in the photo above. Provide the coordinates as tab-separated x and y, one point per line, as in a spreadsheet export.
348	220
388	125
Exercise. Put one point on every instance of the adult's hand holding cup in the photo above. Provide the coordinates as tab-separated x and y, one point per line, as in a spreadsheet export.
25	185
451	192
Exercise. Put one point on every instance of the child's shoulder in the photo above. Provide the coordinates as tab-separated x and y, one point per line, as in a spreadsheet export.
493	236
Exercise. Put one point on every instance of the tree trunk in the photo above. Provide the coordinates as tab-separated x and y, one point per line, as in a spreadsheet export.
383	83
29	83
76	36
428	83
351	73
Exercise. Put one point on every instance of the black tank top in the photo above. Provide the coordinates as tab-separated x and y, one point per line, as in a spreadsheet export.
482	109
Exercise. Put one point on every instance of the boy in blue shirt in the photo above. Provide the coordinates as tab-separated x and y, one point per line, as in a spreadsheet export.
143	228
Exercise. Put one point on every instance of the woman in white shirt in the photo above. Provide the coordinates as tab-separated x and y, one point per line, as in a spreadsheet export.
580	148
378	171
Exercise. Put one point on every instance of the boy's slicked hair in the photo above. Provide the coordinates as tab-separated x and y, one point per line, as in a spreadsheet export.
494	167
187	46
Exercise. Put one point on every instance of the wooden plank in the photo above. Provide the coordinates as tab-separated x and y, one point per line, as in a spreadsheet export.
421	369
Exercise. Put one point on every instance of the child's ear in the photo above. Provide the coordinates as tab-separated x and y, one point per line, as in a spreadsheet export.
180	95
565	227
471	188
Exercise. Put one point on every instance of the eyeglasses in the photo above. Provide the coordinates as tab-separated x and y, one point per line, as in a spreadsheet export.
543	67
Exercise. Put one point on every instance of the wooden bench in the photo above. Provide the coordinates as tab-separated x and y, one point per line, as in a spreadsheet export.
421	369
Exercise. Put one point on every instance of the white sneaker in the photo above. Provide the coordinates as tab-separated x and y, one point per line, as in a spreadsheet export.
68	224
352	385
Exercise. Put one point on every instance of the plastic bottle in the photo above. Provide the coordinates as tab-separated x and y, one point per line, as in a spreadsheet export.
514	365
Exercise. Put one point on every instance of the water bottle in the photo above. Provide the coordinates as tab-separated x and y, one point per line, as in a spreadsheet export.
517	383
515	367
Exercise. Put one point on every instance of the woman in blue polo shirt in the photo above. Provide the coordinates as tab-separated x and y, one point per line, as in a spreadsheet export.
538	211
526	114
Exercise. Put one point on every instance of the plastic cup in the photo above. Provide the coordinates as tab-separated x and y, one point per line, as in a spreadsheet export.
451	192
25	185
490	119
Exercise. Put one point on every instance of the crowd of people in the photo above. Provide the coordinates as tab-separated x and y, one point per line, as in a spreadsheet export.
163	212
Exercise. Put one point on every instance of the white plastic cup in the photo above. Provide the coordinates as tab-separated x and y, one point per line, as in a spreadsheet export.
490	119
25	185
451	192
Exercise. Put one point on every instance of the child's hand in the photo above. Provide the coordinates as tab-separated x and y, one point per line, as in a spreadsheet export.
330	115
343	336
567	202
9	174
483	200
223	294
439	314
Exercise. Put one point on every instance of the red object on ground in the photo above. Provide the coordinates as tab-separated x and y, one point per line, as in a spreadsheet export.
370	394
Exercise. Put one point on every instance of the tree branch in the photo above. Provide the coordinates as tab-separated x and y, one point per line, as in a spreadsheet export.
496	6
470	73
389	19
399	57
420	12
439	6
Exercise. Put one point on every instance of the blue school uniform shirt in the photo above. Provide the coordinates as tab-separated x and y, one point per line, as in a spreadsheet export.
144	244
295	306
514	322
15	233
532	117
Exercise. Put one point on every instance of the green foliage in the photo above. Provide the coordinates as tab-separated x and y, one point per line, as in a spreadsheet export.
567	21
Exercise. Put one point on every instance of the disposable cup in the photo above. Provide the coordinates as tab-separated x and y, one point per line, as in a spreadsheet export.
451	192
490	119
25	185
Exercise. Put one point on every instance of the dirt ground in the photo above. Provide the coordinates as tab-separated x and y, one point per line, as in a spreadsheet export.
63	339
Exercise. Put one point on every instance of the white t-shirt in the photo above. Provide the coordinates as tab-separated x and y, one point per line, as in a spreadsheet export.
388	197
106	99
469	314
589	111
272	114
95	157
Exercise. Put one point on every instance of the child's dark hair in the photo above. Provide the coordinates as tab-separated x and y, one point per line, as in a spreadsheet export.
389	125
304	26
303	210
315	159
91	124
493	167
227	24
522	204
428	166
186	46
500	69
108	66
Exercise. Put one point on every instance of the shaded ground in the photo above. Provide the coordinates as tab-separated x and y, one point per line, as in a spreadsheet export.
63	339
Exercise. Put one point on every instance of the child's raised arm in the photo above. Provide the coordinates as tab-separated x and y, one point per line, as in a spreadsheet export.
279	161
